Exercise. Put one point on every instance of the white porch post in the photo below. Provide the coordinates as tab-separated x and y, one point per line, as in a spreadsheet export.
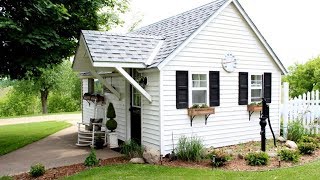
285	108
134	83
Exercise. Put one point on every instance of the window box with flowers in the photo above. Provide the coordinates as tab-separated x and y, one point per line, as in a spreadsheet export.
197	110
254	107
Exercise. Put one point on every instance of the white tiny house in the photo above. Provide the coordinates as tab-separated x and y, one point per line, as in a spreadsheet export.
211	56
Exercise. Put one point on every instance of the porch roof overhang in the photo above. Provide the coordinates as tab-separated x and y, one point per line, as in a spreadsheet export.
87	59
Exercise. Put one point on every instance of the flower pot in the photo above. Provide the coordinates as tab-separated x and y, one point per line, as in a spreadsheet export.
99	143
112	139
254	108
201	111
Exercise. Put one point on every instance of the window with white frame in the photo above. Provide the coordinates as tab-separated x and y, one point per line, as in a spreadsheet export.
256	88
199	89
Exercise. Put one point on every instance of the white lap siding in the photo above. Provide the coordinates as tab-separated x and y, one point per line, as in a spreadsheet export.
119	105
150	116
230	124
87	107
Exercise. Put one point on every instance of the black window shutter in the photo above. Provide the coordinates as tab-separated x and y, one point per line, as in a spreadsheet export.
243	88
267	86
214	91
182	92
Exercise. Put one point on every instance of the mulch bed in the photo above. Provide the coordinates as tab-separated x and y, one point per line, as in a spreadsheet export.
55	173
236	164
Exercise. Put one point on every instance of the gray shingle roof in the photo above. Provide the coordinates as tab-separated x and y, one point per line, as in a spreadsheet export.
111	47
178	28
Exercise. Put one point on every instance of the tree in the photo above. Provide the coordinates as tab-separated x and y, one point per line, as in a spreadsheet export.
40	33
304	77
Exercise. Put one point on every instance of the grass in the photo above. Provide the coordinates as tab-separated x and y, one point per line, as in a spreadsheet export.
32	115
13	137
133	171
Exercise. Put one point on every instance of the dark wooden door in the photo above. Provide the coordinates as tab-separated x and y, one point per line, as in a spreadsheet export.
135	111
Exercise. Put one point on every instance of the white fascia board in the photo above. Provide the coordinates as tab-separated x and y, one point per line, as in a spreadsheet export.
154	52
261	38
119	64
134	83
104	82
193	35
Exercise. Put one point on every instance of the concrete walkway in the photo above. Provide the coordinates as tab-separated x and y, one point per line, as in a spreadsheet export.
58	117
56	150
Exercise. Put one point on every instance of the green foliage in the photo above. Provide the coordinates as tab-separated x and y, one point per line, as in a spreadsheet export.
289	155
304	77
295	130
6	178
38	34
306	147
131	149
221	157
190	149
257	158
111	112
59	103
91	160
112	125
37	170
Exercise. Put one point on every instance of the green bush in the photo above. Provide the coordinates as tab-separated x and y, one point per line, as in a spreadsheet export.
111	112
295	130
289	155
221	158
307	147
91	160
309	139
60	103
257	158
112	125
190	149
37	170
131	149
6	178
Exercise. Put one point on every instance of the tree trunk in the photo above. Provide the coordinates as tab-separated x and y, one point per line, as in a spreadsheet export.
44	98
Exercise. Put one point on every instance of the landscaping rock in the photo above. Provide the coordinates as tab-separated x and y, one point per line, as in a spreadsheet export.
281	139
137	161
151	156
272	154
291	144
240	156
229	151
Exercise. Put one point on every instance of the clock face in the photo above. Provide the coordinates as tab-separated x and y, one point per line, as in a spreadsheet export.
229	62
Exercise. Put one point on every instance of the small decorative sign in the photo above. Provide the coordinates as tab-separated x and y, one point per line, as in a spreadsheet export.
229	62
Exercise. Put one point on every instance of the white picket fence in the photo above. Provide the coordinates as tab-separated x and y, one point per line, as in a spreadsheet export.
306	108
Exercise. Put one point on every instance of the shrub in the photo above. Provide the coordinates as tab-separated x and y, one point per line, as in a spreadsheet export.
221	157
295	130
112	125
62	103
6	178
131	149
289	155
307	147
190	149
111	112
37	170
257	158
91	160
308	139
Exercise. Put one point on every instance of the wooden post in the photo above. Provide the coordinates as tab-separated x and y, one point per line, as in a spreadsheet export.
285	108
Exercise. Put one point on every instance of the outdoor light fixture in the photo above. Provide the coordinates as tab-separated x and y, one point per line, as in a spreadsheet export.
213	161
279	160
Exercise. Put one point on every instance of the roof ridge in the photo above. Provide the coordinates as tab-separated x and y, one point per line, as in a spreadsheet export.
190	10
97	32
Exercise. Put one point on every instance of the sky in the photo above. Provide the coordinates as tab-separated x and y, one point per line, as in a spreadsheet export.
291	27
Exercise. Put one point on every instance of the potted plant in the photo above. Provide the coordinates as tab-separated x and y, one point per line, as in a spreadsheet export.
254	106
200	110
99	142
111	125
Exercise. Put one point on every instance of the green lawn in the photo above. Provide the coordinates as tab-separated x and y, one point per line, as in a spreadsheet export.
32	115
131	171
13	137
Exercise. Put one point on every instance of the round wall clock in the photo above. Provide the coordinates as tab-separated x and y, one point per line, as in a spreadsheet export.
229	62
